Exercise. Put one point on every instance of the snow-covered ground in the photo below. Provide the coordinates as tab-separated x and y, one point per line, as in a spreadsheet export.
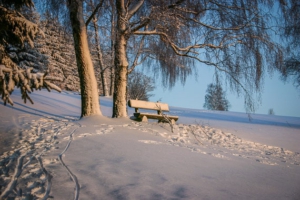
47	152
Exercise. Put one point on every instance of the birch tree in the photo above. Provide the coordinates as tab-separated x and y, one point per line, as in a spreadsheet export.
236	37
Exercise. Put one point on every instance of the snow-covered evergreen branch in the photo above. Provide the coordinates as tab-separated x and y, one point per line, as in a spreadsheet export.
25	80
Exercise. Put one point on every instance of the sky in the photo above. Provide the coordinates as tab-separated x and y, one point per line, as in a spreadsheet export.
280	96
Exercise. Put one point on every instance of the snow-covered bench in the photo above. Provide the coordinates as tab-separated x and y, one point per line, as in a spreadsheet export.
159	107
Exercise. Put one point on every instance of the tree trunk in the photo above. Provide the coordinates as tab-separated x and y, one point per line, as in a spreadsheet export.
113	37
88	84
121	64
100	59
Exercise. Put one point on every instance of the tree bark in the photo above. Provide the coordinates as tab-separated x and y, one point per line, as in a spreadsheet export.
121	64
121	68
88	84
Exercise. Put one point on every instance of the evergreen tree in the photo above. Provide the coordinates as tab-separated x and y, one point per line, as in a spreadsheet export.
215	99
17	31
271	111
58	46
26	56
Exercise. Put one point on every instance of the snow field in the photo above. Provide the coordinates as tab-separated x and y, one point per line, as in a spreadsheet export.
58	156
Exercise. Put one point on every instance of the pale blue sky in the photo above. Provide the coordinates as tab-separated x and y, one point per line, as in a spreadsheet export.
283	97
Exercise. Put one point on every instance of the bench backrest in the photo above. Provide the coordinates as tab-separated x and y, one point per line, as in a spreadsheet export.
148	105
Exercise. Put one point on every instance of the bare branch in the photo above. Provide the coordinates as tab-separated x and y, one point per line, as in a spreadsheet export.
135	8
177	3
139	52
139	25
94	13
184	49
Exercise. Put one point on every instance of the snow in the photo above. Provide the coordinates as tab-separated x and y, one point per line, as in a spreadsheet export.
210	155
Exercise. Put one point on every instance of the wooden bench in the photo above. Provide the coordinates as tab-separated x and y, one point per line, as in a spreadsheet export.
159	107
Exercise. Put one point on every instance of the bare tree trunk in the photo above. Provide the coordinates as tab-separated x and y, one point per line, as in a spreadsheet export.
88	84
100	59
113	36
121	64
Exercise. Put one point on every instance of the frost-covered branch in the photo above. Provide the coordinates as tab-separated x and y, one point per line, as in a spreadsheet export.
25	80
15	28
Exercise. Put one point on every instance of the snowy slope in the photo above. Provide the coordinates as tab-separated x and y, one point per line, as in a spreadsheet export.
46	152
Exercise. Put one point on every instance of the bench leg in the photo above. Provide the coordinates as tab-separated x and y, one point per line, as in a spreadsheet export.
173	121
144	119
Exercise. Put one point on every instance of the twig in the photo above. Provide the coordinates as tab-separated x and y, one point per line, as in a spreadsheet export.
194	134
166	118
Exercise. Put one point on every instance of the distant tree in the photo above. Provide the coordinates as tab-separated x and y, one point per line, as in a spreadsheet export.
215	99
139	86
99	56
271	111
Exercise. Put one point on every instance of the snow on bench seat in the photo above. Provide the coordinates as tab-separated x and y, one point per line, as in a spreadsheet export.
159	107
